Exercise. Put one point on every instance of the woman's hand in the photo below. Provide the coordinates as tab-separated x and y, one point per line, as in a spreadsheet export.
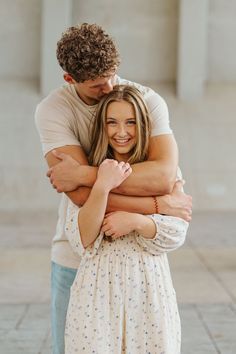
112	173
118	223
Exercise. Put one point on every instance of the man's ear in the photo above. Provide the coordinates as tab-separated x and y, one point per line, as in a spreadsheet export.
68	78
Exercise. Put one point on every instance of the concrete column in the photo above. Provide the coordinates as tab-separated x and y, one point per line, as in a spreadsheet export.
56	17
192	48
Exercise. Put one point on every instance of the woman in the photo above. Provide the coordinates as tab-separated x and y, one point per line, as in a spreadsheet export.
122	300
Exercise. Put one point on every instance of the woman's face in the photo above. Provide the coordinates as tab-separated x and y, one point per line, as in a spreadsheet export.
121	128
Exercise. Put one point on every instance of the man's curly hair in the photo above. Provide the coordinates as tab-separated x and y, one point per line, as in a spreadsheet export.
87	52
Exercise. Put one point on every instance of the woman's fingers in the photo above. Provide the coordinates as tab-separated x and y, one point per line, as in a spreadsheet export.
107	230
124	165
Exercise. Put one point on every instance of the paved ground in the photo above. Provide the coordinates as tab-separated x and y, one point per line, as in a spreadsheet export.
203	272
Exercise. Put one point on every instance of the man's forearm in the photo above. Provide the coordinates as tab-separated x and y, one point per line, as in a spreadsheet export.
148	178
155	176
141	205
175	204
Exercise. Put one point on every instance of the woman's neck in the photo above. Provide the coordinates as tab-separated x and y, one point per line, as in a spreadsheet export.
121	157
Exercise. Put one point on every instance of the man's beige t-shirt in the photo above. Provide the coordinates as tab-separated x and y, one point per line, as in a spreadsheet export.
62	118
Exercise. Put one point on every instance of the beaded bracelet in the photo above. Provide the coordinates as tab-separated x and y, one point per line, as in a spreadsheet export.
156	205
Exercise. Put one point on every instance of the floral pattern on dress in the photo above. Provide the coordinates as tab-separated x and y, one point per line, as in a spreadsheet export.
122	300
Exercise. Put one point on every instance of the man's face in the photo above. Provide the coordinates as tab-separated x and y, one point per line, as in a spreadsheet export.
91	91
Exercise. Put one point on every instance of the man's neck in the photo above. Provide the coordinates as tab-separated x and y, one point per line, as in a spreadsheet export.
87	100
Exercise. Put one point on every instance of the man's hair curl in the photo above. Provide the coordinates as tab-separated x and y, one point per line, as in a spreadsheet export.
87	52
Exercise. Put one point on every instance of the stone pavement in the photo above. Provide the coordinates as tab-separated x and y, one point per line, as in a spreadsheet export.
203	270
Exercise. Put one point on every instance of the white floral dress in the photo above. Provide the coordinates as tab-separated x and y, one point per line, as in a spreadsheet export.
122	299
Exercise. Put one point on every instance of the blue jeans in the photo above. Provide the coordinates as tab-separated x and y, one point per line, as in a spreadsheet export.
61	281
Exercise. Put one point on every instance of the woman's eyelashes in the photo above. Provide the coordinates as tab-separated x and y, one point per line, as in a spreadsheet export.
114	122
131	122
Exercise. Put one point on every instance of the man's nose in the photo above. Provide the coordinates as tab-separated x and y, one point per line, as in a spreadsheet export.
108	87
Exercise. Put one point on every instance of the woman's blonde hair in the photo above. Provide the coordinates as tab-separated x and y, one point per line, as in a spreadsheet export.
100	149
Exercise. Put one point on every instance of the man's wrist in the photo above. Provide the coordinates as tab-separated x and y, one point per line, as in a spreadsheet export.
86	175
163	204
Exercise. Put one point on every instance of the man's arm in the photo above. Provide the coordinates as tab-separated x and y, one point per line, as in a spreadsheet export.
79	196
156	176
75	151
176	204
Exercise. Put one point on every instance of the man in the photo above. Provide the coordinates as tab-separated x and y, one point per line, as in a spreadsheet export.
90	60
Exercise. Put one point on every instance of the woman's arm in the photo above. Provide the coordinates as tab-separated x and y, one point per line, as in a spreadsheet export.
155	233
91	215
121	223
170	235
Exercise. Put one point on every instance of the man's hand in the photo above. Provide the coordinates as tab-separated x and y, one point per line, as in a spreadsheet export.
63	175
177	203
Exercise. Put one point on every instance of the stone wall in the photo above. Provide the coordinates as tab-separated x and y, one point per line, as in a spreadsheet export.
146	33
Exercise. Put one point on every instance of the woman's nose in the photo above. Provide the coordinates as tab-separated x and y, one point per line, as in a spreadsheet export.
121	130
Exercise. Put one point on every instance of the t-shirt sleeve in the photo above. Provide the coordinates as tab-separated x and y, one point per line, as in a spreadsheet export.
73	233
54	124
159	114
170	235
156	105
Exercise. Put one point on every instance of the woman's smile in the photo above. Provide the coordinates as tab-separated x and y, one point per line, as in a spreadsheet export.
121	128
122	141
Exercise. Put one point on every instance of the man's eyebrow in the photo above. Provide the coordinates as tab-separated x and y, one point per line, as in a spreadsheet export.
97	85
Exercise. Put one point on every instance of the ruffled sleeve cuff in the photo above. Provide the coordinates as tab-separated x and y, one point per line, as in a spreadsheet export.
170	235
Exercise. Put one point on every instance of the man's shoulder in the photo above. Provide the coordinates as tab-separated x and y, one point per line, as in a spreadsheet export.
58	95
58	102
54	106
151	97
143	89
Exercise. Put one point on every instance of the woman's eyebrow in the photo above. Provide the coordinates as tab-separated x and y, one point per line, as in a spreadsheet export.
111	118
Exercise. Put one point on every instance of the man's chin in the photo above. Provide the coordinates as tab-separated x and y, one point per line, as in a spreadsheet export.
101	96
94	100
98	98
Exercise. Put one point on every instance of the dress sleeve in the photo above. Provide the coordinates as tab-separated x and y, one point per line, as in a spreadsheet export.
170	235
73	233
